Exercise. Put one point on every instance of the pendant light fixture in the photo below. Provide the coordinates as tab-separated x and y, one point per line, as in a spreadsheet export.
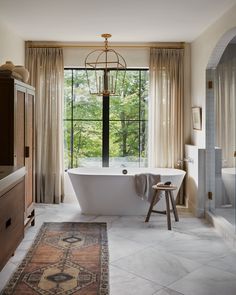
105	70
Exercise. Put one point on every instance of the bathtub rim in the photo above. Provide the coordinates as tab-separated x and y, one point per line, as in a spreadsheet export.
229	171
118	171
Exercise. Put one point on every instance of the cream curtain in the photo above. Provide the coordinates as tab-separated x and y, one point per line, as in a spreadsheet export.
166	107
46	69
225	94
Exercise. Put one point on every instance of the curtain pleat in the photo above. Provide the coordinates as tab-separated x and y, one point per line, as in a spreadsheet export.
166	107
46	69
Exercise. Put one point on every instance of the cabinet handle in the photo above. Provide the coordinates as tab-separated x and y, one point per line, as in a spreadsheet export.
8	223
27	151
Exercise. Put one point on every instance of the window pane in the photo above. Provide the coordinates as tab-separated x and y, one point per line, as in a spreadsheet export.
67	93
124	143
89	108
85	106
144	84
95	79
87	146
126	107
143	144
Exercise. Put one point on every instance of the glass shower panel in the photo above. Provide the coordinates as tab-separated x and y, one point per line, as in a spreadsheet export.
225	135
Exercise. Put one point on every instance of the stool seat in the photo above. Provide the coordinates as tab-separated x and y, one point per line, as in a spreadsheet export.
168	189
163	187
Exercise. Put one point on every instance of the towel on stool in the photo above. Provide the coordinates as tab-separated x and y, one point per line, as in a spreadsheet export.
143	186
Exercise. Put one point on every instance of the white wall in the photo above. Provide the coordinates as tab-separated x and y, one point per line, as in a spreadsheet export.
195	180
134	57
201	51
12	47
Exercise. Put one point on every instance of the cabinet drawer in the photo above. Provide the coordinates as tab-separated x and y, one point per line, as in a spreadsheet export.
11	221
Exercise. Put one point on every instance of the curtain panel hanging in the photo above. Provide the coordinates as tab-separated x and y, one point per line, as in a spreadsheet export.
46	69
166	107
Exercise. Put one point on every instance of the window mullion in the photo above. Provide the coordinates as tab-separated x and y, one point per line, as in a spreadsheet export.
72	122
105	131
139	123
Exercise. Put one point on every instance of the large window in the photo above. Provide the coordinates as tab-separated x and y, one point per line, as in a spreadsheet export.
105	131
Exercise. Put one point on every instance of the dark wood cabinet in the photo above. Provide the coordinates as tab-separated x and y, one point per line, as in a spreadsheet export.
17	133
11	220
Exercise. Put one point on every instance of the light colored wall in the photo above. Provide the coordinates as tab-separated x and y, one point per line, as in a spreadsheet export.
201	53
12	46
187	94
195	180
134	57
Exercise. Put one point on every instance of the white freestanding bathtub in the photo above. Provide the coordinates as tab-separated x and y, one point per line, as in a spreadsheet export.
229	181
106	191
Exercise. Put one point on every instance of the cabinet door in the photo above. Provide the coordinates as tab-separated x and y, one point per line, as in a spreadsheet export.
29	145
19	144
11	221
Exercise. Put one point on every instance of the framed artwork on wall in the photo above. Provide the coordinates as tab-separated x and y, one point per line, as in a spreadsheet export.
197	118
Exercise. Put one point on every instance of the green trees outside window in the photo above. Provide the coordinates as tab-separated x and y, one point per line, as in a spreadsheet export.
83	122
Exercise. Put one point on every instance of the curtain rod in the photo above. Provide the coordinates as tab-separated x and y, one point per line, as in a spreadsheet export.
42	44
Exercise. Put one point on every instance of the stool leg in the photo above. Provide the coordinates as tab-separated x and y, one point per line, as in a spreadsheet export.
174	206
151	207
168	210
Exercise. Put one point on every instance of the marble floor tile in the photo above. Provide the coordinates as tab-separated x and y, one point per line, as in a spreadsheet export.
157	266
108	219
192	247
141	232
30	233
121	247
18	256
167	291
226	263
146	258
206	281
125	283
6	273
25	245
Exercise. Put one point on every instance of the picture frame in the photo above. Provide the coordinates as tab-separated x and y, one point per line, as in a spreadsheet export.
197	118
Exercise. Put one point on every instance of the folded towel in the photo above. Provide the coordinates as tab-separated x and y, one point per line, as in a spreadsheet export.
143	186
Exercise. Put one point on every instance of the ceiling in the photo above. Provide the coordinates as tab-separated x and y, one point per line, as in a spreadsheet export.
126	20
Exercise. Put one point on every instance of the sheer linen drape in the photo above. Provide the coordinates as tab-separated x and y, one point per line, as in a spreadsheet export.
166	107
225	94
46	69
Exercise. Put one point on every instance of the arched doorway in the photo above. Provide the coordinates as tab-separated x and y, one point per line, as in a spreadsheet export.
214	184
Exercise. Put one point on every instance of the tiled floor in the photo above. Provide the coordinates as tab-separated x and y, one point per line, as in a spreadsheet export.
147	259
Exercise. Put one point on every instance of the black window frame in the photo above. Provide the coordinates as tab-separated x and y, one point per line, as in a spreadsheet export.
105	118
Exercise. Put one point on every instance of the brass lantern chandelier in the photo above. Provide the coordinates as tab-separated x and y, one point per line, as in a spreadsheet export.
105	70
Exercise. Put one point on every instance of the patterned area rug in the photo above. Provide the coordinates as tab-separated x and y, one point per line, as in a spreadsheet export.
66	258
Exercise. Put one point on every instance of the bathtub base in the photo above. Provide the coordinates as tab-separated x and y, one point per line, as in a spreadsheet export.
115	194
229	184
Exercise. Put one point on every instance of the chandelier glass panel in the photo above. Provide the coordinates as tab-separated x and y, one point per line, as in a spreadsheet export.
105	69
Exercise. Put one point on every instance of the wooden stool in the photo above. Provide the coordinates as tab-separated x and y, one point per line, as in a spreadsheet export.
169	196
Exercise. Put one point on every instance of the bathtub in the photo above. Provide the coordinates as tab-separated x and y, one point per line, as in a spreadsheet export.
106	191
229	180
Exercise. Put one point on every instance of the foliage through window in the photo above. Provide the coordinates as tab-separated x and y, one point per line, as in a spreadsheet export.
84	121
